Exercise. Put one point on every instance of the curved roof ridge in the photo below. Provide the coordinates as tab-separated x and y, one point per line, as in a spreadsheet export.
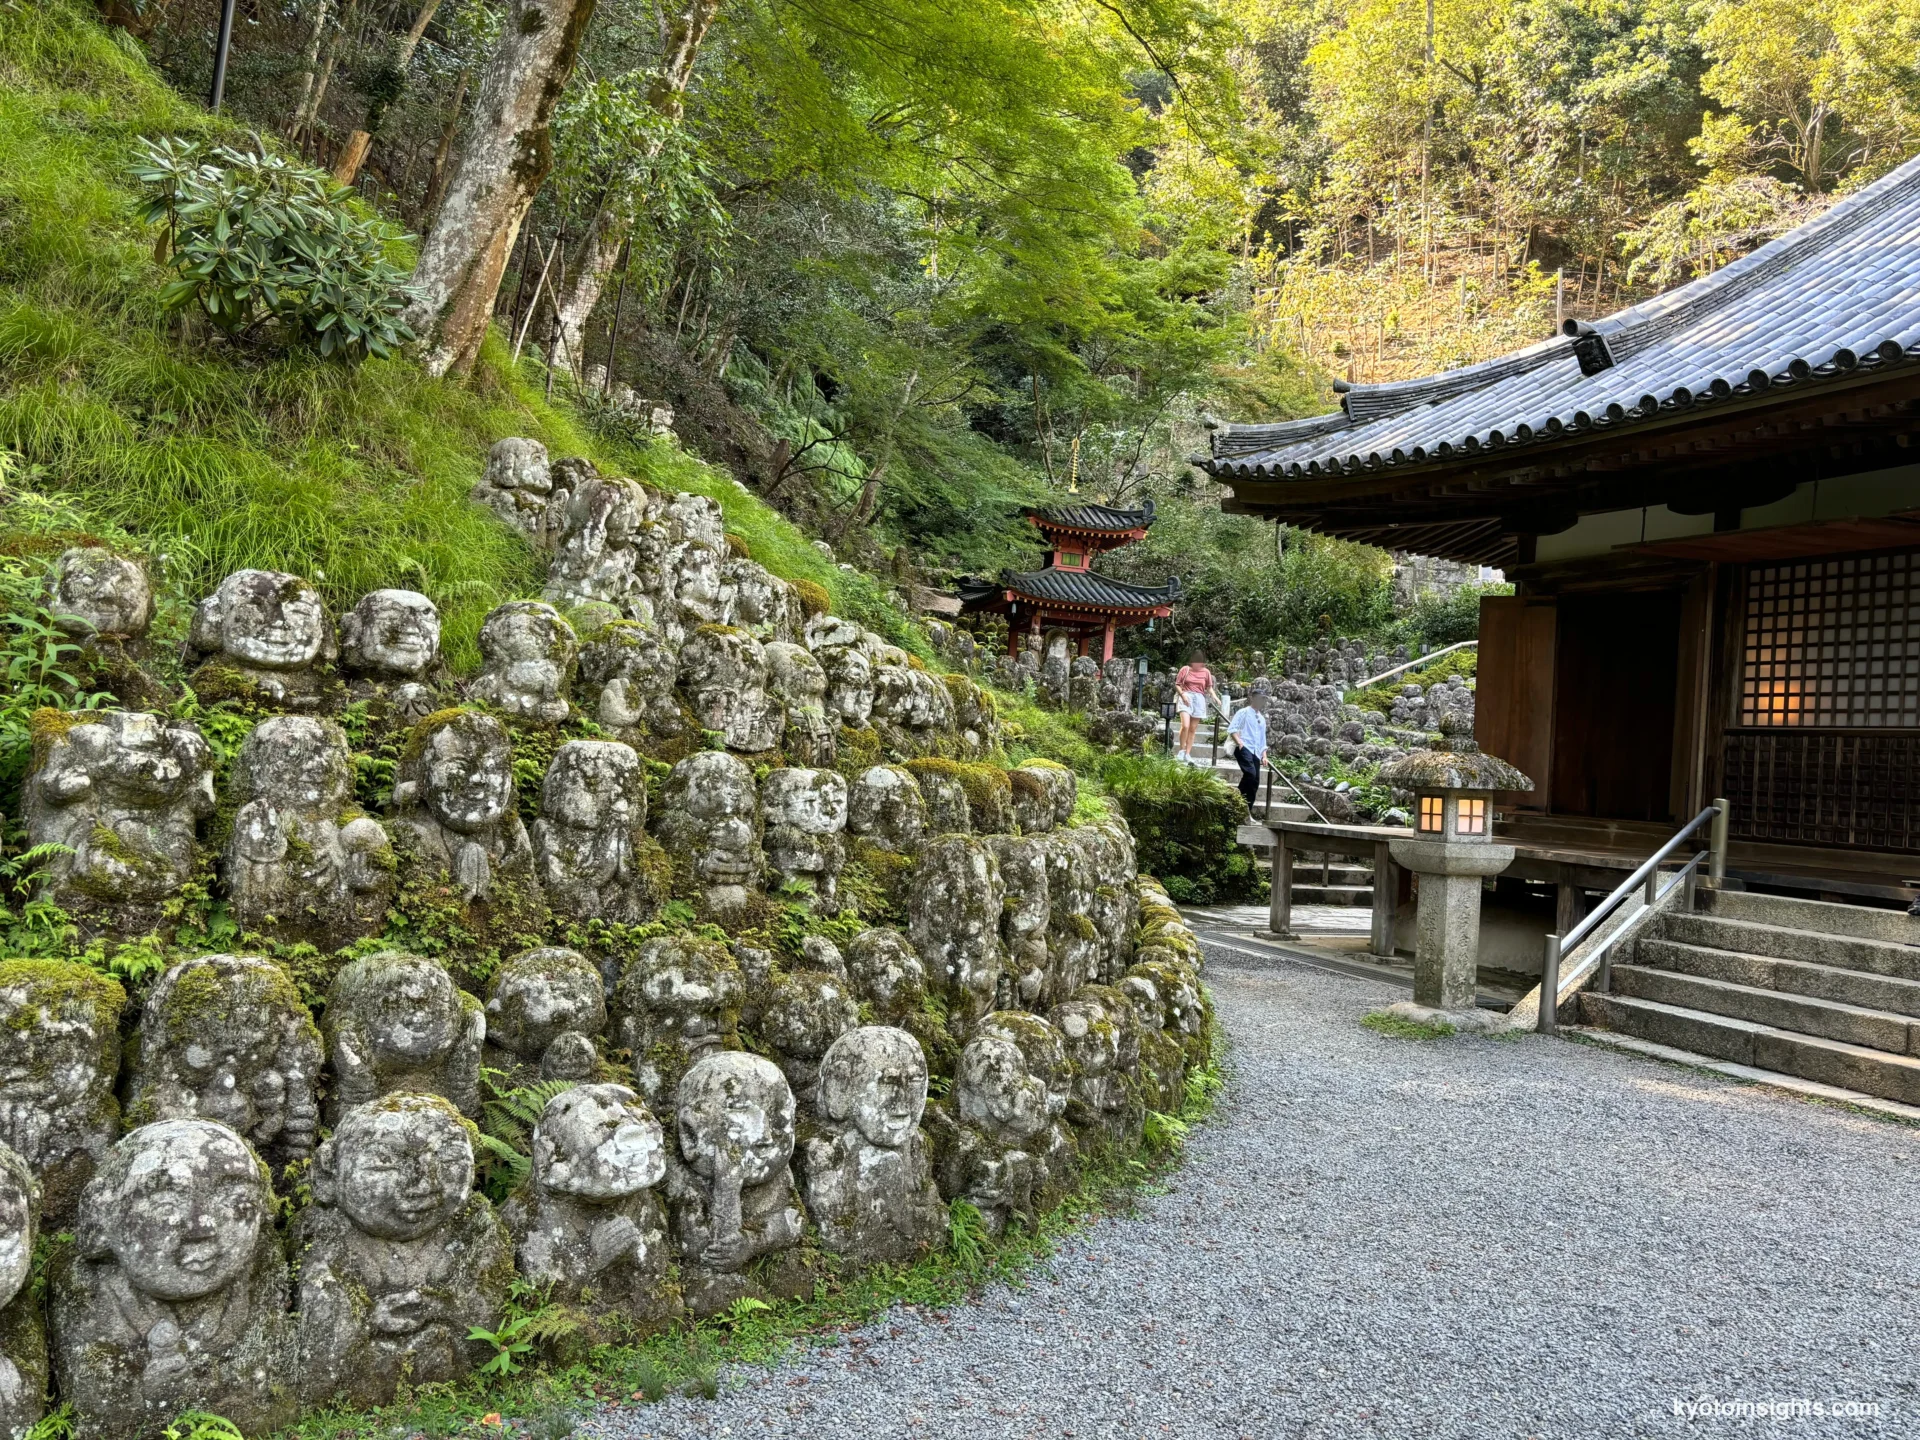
1246	439
1377	402
1629	331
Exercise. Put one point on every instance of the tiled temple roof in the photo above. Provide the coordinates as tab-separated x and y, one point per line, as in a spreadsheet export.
1095	517
1070	587
1838	295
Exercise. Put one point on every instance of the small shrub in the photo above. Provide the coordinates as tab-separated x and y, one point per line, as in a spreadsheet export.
254	239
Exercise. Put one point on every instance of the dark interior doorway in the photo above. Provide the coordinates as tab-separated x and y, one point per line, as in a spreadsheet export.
1615	673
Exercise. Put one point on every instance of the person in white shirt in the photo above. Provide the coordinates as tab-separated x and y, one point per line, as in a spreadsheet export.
1249	731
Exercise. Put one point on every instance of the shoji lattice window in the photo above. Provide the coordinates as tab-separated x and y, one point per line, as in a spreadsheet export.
1833	644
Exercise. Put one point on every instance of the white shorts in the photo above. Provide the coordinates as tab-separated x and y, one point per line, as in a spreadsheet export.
1194	703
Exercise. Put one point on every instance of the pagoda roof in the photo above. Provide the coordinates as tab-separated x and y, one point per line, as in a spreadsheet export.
1098	519
1080	588
1836	297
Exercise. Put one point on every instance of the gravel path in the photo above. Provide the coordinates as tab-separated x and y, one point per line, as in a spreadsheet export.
1385	1237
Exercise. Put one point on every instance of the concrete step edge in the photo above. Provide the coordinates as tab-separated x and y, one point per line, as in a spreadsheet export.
1893	951
1816	1003
1771	1079
1883	1058
1899	982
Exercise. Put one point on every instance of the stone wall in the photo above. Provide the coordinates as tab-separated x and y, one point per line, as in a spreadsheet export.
739	884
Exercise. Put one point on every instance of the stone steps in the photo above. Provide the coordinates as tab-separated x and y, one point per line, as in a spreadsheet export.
1876	1029
1778	942
1859	922
1794	977
1765	1047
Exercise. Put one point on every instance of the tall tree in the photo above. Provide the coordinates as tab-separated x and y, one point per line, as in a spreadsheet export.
502	162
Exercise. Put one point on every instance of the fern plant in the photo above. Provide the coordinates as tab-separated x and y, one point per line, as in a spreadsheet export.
508	1113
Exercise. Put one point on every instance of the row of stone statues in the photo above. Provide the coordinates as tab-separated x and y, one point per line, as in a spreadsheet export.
175	1293
267	1160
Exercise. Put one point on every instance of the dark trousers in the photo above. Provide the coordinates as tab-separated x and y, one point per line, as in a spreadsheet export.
1249	773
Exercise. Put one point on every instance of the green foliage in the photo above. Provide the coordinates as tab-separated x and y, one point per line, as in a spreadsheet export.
1401	1028
508	1113
967	1235
1184	821
56	1424
200	1425
256	239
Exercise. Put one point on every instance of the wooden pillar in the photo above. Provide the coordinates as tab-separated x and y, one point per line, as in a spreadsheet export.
1106	642
1386	900
1571	908
1280	905
1084	642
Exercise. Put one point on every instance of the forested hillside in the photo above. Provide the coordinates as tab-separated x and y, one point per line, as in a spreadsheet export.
902	265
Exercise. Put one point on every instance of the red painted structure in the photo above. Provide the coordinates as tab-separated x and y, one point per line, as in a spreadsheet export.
1068	594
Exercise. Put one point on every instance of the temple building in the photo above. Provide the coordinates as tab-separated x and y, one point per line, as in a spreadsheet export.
1068	595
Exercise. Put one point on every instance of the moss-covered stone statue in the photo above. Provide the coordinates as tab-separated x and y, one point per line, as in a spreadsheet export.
58	1063
528	654
453	806
797	684
226	1038
395	1022
121	793
390	651
23	1331
710	827
627	673
864	1166
729	1182
173	1295
590	1225
268	641
723	673
1102	1041
399	1258
885	806
954	923
545	1009
590	844
806	1012
678	1001
999	1140
304	863
804	813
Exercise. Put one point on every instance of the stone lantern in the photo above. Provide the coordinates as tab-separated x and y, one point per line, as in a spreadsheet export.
1452	852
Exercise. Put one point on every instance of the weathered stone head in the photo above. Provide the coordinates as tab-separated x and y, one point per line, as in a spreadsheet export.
61	1025
301	861
710	822
1033	812
996	1091
885	806
628	671
678	1000
226	1038
724	674
528	653
395	1022
804	812
264	620
946	800
590	841
886	974
121	792
598	1143
850	690
399	1168
1061	784
806	1013
764	605
1045	1052
391	635
734	1114
539	996
1103	1046
454	800
875	1079
399	1259
1024	917
597	554
176	1295
92	591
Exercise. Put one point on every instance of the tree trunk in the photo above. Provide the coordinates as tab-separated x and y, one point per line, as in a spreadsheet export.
681	35
355	152
437	177
501	164
310	67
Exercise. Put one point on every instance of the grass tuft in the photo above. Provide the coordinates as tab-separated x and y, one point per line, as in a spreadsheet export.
1382	1023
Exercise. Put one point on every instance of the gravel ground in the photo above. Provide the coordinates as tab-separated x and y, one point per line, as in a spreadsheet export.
1389	1237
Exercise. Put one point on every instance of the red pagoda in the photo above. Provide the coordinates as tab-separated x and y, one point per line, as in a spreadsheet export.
1068	595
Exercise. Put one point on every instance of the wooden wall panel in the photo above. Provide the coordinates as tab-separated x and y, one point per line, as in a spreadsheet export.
1513	706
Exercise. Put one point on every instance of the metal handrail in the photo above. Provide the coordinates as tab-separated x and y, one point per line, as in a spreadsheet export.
1410	665
1648	875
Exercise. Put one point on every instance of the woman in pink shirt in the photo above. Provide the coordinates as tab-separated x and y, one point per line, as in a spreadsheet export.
1191	688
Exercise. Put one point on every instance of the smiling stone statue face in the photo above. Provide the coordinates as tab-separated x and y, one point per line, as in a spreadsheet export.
598	1143
391	634
93	591
876	1078
467	782
263	619
180	1203
735	1116
402	1167
529	654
